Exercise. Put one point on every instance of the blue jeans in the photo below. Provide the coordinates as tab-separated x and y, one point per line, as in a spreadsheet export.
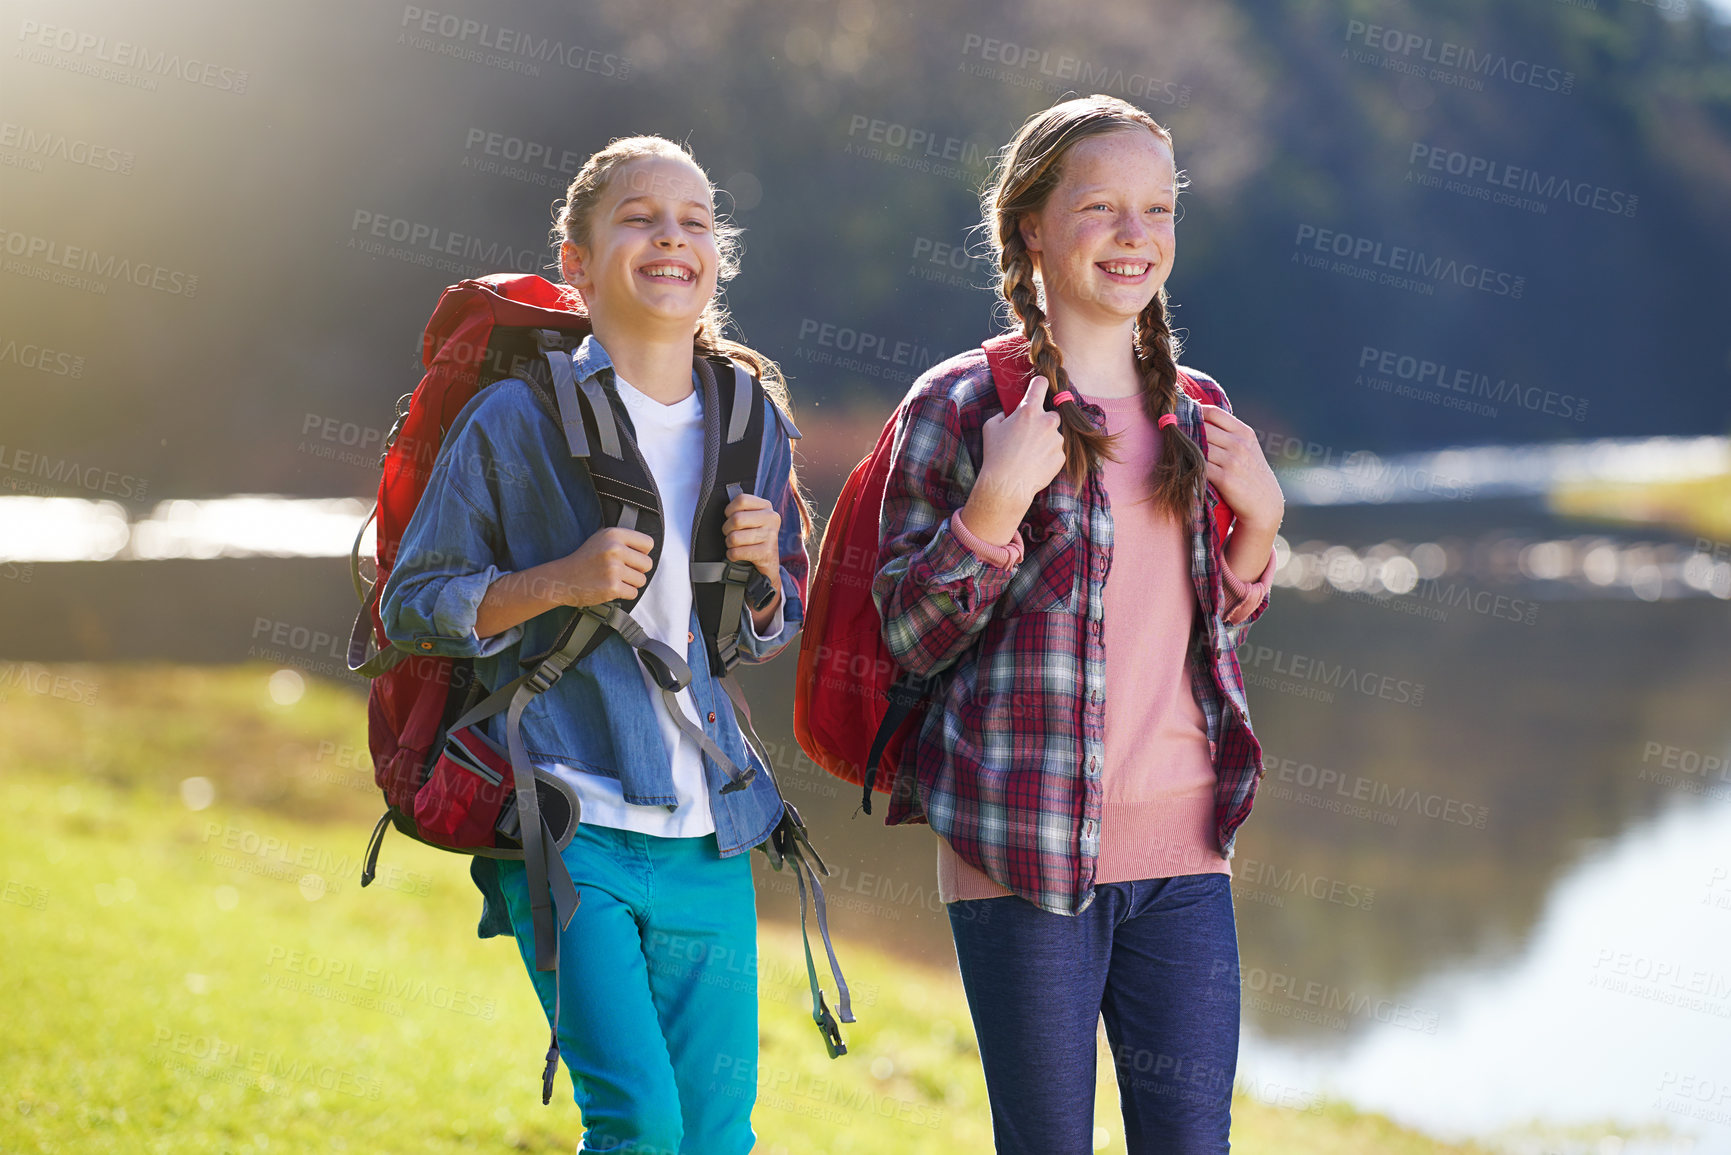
658	990
1159	958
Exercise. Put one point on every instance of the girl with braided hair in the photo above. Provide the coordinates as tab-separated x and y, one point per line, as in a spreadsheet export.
1089	756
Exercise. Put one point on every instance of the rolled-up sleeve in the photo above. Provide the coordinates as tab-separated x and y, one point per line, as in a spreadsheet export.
933	592
1245	600
445	564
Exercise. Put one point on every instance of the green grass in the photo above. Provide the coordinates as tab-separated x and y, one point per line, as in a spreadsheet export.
198	980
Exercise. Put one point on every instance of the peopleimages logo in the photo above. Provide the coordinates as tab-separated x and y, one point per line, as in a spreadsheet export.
1510	184
99	50
429	245
1053	71
1378	366
28	247
1369	259
41	358
461	32
35	145
1460	65
1304	668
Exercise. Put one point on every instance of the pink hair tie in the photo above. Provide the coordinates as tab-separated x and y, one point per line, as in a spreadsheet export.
1066	395
1168	419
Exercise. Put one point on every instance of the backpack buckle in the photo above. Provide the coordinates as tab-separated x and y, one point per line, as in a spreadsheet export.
759	591
400	416
544	677
827	1027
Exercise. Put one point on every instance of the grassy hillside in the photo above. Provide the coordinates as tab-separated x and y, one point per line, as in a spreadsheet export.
193	966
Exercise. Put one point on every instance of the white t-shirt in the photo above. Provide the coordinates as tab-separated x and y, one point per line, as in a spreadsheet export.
671	439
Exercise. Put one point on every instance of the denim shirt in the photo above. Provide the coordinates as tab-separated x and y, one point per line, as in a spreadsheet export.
506	495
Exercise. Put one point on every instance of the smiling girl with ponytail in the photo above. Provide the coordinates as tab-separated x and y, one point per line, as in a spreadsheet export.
653	989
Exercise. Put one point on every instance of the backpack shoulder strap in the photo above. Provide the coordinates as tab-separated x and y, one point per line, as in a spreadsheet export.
597	431
1007	357
734	402
1195	388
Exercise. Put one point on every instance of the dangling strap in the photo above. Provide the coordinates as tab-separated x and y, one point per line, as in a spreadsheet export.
361	632
742	716
671	675
905	694
737	779
789	844
551	891
844	1002
361	639
370	864
544	865
355	556
552	1067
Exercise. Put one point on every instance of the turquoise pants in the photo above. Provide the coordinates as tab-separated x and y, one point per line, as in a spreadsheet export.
658	991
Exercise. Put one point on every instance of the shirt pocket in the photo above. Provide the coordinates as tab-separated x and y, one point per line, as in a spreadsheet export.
1049	580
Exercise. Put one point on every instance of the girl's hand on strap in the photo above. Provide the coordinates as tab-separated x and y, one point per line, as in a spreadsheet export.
1240	472
1023	450
753	530
612	564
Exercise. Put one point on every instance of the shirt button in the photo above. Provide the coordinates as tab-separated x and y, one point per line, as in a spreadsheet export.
712	715
690	637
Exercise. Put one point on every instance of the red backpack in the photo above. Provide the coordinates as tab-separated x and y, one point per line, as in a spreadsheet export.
852	702
407	706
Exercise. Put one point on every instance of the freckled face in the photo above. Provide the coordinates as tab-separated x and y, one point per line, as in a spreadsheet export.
651	250
1104	240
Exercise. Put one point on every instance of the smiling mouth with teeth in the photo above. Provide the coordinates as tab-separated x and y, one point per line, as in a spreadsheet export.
1126	270
668	272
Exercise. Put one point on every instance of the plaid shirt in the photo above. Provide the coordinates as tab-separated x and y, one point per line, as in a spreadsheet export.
1006	764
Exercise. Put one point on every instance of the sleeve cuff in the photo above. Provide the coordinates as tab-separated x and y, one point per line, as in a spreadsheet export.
1245	596
776	625
458	603
1001	556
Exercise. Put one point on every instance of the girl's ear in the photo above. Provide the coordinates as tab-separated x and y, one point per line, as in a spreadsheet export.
1029	227
572	262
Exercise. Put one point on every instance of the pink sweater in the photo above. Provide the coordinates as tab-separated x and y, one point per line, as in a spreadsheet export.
1157	804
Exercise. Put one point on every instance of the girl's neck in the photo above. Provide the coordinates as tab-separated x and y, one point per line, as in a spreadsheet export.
657	364
1100	359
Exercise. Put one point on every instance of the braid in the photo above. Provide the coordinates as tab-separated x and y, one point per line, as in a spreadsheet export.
1179	472
1084	445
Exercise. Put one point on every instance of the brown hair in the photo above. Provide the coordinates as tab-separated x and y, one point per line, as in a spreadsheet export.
572	220
1026	172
